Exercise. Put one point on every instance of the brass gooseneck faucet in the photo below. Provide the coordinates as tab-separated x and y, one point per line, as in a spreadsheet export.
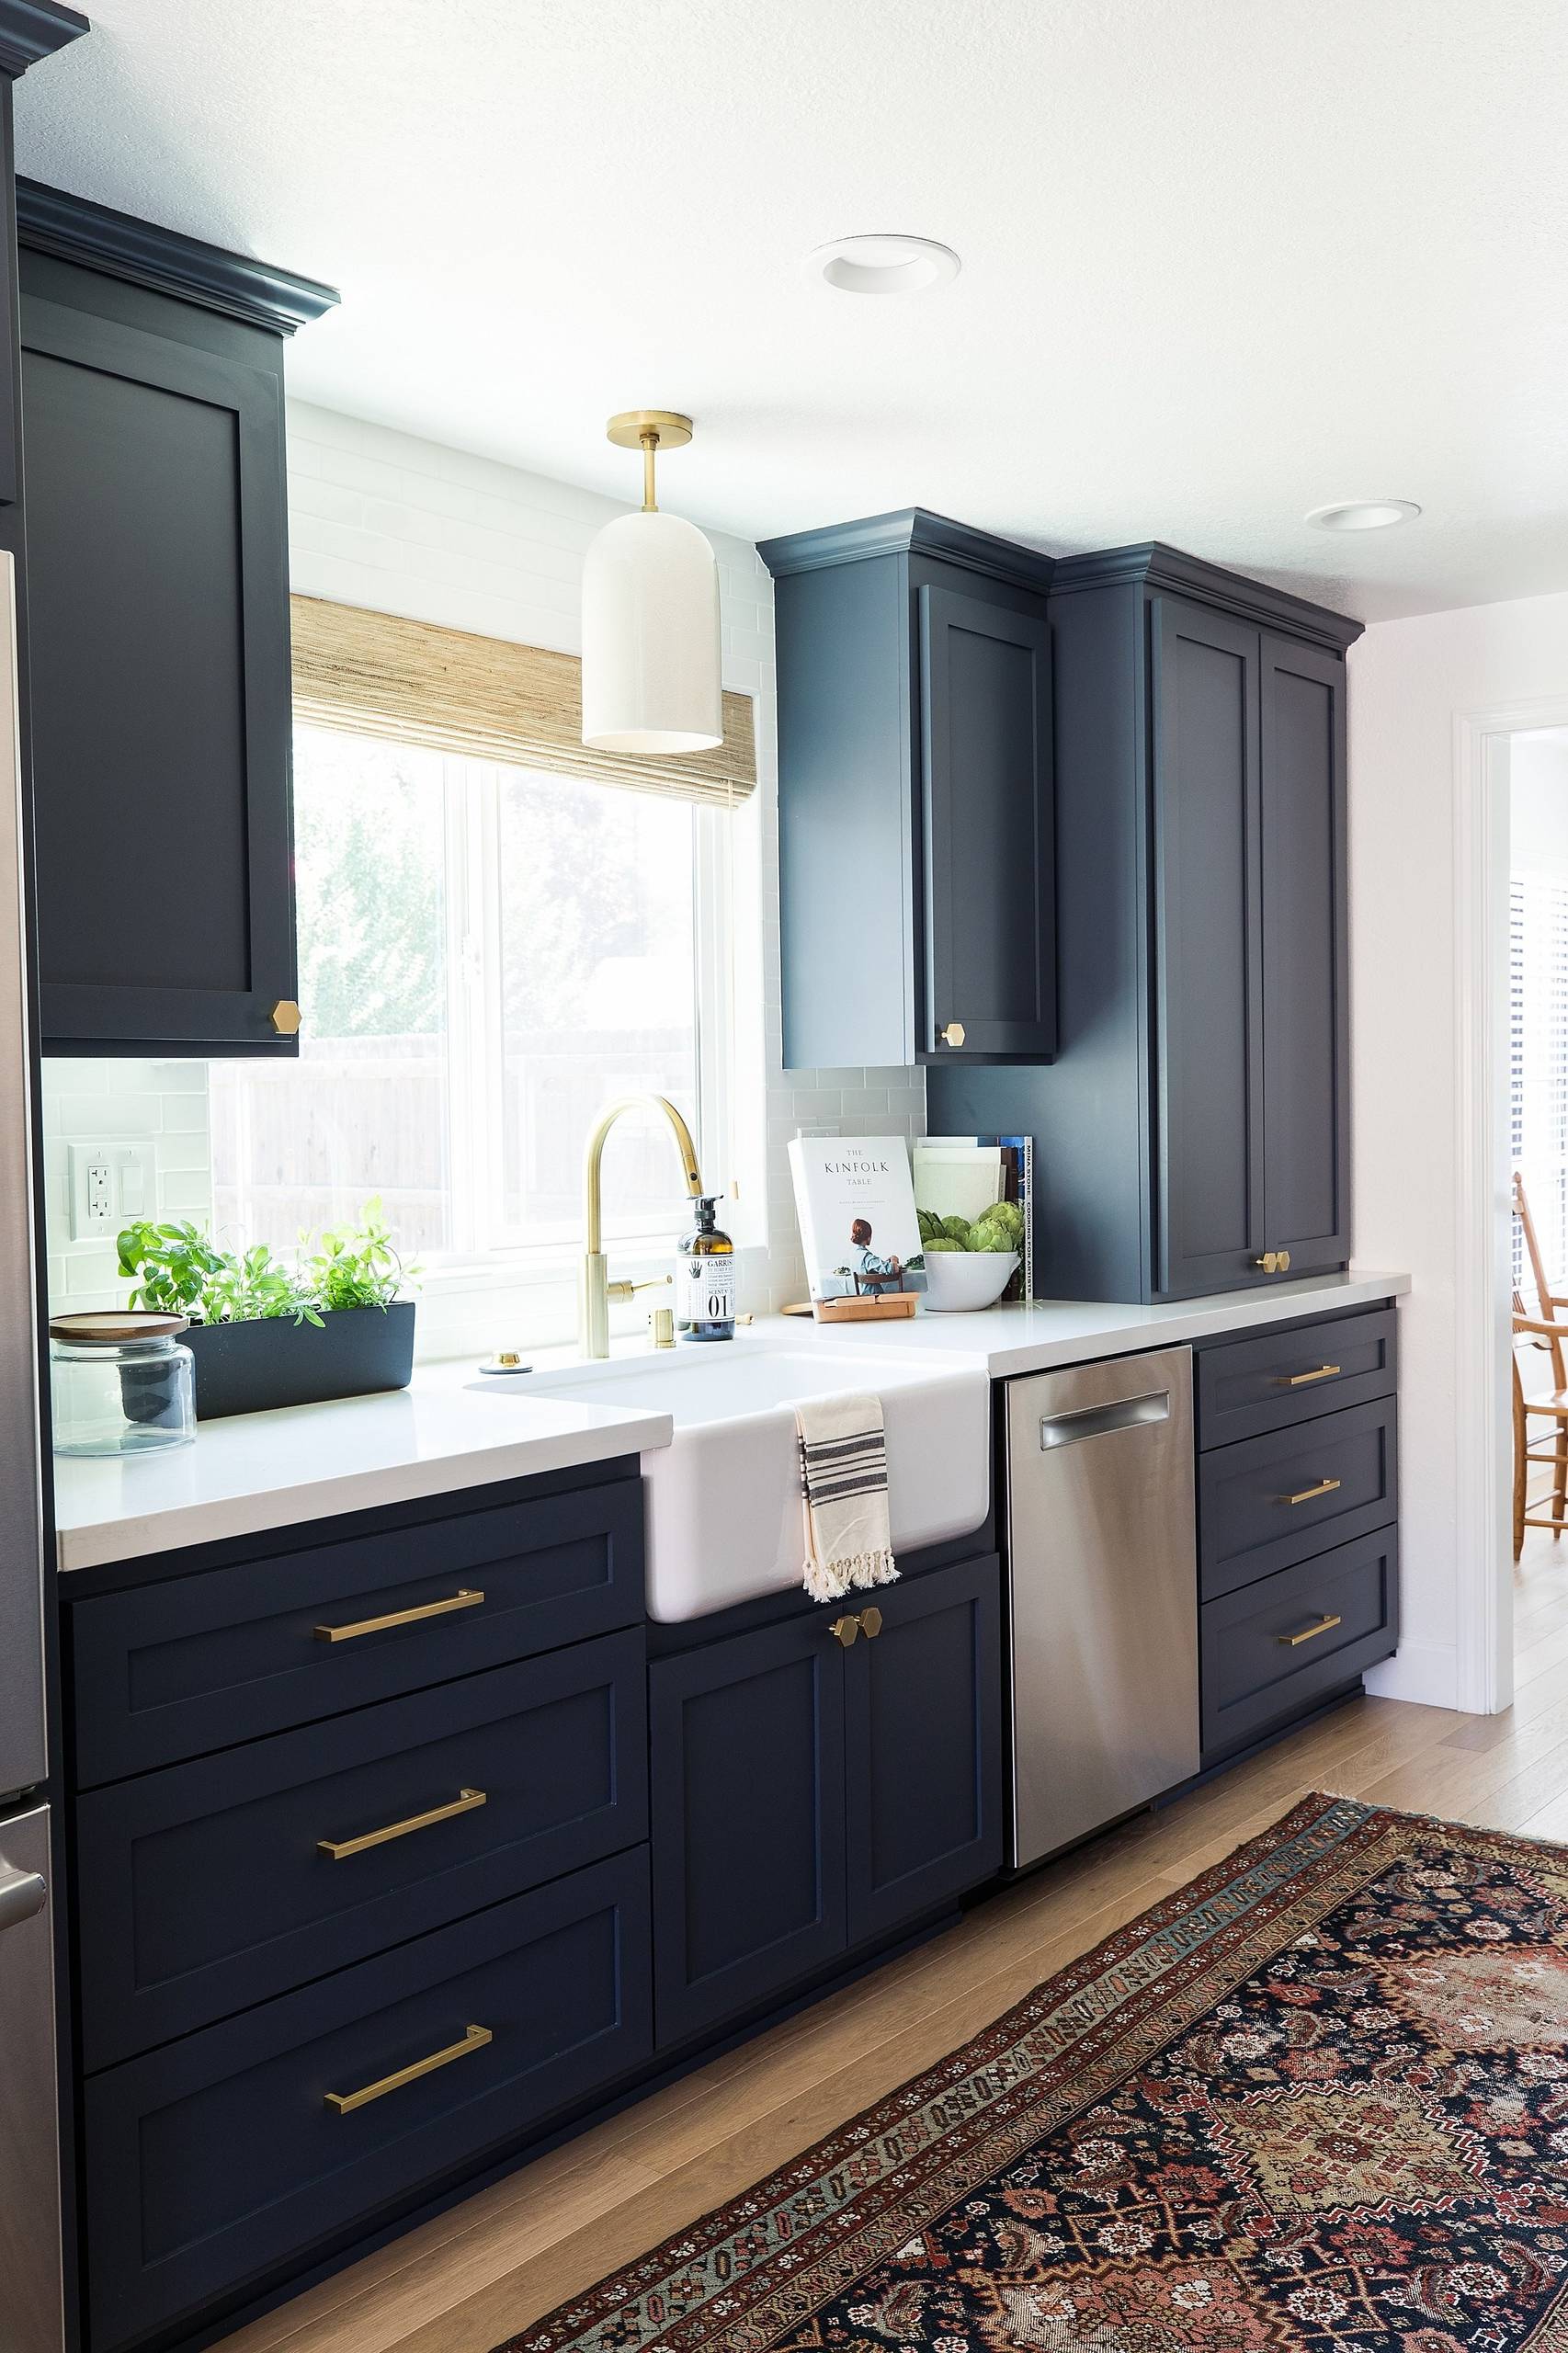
597	1290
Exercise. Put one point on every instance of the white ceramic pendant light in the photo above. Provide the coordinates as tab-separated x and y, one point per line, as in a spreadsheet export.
650	680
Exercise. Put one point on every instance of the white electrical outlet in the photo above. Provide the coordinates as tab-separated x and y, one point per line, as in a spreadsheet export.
110	1183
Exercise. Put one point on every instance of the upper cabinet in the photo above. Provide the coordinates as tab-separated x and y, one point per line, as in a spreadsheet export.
915	795
1191	1135
157	633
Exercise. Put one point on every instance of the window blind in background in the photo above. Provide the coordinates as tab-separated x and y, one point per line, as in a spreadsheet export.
486	698
1537	1057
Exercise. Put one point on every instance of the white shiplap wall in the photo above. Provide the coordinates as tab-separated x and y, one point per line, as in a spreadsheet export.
383	519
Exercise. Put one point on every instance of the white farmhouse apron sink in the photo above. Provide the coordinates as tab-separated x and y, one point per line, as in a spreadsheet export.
724	1499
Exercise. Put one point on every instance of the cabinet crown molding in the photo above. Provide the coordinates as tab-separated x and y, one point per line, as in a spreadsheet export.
73	228
30	30
1161	567
912	529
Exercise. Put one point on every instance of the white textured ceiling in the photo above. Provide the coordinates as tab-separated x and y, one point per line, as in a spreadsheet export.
1224	260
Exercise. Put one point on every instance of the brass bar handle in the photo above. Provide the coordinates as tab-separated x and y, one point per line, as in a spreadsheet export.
1310	1494
463	1599
844	1629
474	2038
341	1849
871	1623
1300	1379
1310	1633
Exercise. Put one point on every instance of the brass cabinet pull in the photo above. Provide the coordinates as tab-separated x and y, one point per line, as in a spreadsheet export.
1284	1262
871	1623
1310	1633
461	1599
951	1033
844	1629
341	1849
1273	1262
1300	1379
474	2038
286	1017
1309	1495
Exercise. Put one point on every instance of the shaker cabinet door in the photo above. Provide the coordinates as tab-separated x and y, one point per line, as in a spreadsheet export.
1209	1009
1306	1180
158	643
988	872
747	1809
923	1779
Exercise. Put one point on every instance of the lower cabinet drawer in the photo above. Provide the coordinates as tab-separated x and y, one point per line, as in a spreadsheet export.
195	1663
216	1885
1266	1502
1246	1387
1275	1648
229	2156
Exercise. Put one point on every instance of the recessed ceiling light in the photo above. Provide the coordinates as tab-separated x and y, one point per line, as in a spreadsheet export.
883	265
1364	514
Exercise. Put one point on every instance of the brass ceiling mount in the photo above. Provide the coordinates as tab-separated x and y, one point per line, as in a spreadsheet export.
669	431
650	430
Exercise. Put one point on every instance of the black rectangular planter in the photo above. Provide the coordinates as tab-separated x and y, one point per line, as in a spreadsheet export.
248	1367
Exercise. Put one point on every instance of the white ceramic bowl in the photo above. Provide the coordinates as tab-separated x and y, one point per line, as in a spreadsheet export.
959	1278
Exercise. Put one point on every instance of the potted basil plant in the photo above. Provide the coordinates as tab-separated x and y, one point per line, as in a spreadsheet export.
266	1331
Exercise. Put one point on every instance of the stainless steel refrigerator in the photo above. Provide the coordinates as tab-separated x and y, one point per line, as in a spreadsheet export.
32	2315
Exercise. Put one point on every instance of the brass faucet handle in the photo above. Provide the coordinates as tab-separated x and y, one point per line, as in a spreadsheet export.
627	1291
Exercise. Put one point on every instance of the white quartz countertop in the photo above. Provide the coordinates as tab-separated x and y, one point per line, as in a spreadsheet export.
449	1432
1034	1338
261	1471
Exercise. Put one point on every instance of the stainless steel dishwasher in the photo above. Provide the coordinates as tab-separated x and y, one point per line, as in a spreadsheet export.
1103	1621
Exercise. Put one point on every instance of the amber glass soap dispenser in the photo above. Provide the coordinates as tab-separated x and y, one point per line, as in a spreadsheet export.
705	1280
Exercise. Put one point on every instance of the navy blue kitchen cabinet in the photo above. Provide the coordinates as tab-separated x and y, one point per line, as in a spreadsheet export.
158	693
261	2140
1298	1511
811	1796
914	808
1191	1134
923	1777
747	1803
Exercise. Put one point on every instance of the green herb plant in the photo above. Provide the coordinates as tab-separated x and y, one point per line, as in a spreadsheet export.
179	1270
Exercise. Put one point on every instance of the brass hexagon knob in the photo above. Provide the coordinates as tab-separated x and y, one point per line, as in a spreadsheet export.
950	1034
285	1017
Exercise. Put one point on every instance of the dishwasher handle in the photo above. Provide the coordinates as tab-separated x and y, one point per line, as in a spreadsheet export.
1099	1421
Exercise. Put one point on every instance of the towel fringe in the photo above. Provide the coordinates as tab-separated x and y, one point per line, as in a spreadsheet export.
831	1582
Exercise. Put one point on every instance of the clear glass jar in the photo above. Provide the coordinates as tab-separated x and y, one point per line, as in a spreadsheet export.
120	1383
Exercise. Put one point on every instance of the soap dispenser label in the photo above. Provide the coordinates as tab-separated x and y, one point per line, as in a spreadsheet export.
705	1289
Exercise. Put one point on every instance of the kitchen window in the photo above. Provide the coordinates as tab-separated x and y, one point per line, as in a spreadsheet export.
488	954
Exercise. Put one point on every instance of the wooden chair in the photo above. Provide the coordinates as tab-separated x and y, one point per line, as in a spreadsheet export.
1542	1331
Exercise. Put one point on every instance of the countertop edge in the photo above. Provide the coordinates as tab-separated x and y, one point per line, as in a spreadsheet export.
96	1544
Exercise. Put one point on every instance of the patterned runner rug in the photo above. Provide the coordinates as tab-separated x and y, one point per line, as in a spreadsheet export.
1318	2099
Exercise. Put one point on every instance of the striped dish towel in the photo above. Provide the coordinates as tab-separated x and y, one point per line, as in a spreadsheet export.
844	1481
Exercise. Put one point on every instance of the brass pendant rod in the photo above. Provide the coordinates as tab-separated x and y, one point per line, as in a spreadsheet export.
650	441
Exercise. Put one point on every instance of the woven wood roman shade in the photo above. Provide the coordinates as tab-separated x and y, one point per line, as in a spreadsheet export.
376	673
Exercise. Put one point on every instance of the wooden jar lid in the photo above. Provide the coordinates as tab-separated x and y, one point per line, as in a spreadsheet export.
113	1326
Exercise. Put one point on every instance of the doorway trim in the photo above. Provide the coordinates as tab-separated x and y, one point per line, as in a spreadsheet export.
1483	1339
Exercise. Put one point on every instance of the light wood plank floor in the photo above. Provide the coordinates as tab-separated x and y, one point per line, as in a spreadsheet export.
492	2265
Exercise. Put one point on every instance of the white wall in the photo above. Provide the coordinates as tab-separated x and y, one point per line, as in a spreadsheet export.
381	519
1409	682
